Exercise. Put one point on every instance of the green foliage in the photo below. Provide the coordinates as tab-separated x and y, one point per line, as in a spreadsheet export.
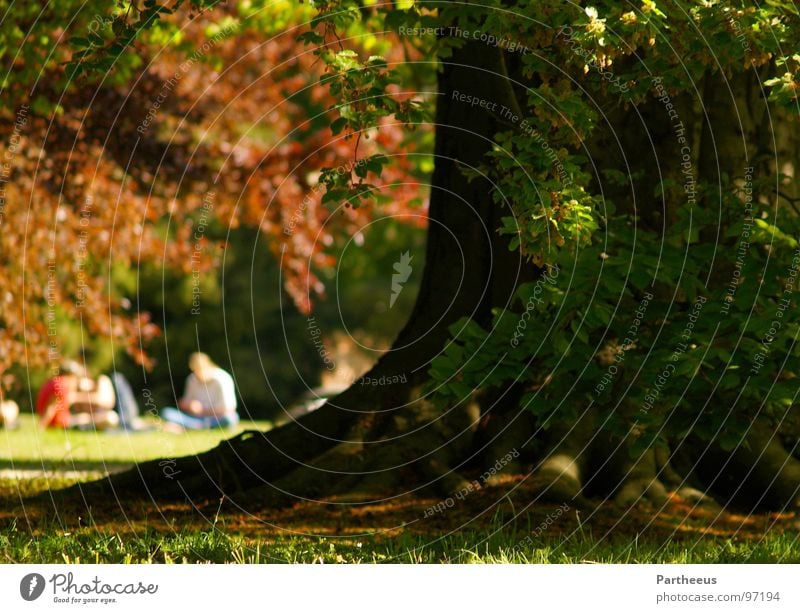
362	88
715	343
703	357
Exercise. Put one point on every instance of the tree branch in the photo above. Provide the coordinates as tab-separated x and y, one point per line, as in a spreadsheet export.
792	201
513	103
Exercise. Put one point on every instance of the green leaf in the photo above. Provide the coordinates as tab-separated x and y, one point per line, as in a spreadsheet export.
338	125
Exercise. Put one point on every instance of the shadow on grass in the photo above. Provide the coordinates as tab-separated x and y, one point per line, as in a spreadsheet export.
29	468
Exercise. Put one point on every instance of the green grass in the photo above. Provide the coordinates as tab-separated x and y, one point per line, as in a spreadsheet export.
58	447
97	546
32	458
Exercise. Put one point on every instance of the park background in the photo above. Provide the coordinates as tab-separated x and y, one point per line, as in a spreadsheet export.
161	194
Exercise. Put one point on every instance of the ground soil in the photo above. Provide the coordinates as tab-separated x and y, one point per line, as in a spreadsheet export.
510	504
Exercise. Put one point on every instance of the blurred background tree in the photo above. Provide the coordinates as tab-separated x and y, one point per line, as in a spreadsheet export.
172	204
569	175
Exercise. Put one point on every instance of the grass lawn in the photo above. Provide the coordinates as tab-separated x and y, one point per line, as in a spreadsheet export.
98	545
492	525
31	458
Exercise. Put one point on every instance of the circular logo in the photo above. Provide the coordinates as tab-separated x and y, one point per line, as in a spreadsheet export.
31	586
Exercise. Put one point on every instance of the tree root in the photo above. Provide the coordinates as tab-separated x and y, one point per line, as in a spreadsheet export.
759	474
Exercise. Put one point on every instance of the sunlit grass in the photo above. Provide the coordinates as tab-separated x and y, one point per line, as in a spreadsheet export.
32	458
93	545
56	447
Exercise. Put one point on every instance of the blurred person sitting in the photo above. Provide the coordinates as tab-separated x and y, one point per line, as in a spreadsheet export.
72	399
127	408
9	413
209	399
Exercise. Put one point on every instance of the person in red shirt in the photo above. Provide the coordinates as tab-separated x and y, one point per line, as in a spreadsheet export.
56	396
71	399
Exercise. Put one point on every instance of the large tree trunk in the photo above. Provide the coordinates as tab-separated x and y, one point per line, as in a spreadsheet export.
373	439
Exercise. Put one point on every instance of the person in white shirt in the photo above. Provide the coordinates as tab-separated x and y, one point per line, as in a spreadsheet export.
9	413
209	400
